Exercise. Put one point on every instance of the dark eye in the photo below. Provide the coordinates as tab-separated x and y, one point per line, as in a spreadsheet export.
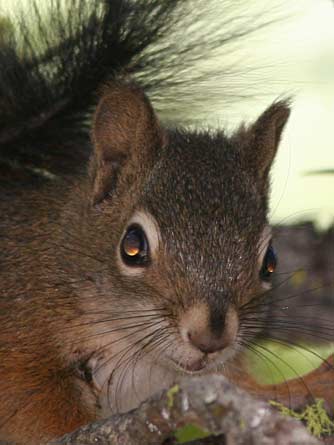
134	247
269	264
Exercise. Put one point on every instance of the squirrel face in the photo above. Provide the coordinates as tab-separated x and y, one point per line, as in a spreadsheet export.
187	245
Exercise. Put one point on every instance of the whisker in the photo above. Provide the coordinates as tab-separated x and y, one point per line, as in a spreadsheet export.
132	333
120	362
300	348
256	302
285	319
78	252
301	329
265	293
111	319
251	347
157	339
277	357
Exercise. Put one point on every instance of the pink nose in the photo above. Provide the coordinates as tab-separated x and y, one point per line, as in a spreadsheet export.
206	341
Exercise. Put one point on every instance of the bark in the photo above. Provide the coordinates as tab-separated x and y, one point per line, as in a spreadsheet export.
210	402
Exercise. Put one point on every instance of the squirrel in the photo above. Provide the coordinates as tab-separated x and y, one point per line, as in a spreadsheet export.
144	263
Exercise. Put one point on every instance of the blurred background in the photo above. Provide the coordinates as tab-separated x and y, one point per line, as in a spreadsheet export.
293	55
300	50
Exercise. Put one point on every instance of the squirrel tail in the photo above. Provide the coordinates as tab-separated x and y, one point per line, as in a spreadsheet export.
54	59
52	63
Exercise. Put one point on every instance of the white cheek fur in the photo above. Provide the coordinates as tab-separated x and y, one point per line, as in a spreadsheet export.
150	227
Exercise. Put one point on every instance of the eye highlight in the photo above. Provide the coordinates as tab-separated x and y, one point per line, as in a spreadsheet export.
134	247
269	264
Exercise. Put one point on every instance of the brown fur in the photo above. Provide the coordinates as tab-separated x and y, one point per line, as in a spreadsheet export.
61	280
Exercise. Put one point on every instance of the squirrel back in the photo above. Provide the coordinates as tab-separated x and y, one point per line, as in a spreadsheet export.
146	261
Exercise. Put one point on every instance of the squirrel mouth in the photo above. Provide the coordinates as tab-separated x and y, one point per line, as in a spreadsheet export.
191	366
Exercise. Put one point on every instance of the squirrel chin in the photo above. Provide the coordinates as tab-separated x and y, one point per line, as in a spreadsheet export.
121	391
208	364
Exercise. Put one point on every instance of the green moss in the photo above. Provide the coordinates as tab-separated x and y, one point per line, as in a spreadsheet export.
242	425
314	416
190	432
170	395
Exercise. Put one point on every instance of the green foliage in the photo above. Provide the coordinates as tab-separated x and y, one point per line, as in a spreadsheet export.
190	432
314	416
6	30
328	171
276	362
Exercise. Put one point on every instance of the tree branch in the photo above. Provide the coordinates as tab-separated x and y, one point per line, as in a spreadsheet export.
209	402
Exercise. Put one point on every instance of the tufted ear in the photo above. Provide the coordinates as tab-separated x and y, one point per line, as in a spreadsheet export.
124	128
263	137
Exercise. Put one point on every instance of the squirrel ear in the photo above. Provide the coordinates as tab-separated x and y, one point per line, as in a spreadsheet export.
124	127
264	137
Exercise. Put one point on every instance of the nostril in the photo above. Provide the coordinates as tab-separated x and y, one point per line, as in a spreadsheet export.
209	331
206	342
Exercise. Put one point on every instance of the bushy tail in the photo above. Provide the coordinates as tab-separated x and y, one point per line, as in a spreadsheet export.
53	63
53	60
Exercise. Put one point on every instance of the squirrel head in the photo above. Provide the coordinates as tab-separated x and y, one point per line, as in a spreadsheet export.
178	219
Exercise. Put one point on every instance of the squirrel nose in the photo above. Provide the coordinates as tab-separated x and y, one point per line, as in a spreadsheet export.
209	333
206	341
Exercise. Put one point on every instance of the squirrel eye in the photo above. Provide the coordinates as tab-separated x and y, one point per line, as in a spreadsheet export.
134	247
269	264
